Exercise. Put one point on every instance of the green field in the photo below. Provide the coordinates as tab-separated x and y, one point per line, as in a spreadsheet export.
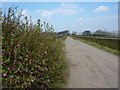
107	44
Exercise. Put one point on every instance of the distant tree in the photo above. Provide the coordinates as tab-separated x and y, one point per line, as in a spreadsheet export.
108	34
102	33
86	33
74	33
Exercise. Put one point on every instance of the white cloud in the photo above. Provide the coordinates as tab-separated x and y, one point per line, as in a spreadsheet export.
70	5
84	19
63	9
101	9
67	11
44	13
81	18
25	12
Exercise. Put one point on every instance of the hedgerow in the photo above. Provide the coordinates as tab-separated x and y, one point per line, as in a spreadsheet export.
32	56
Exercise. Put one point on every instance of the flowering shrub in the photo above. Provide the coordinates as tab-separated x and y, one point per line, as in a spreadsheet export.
31	54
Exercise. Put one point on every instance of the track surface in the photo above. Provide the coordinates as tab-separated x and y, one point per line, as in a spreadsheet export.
90	67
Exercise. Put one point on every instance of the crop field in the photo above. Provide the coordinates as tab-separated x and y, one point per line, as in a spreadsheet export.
111	43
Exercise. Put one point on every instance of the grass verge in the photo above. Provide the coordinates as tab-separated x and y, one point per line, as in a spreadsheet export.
113	51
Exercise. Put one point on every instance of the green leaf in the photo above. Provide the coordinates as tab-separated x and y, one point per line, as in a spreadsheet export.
20	66
7	60
32	68
11	42
15	71
26	68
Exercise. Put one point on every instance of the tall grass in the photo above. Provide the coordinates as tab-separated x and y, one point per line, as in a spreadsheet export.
31	54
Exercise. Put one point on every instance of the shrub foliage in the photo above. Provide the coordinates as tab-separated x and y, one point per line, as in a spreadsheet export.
31	54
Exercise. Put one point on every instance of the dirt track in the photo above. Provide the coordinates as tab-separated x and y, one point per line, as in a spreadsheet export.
90	67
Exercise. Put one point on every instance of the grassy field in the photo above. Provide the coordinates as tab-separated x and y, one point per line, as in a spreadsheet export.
109	45
104	37
32	56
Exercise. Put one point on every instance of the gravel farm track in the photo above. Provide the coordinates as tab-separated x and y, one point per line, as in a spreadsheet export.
90	67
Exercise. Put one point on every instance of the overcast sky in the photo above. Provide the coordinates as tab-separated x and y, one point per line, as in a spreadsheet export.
73	16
